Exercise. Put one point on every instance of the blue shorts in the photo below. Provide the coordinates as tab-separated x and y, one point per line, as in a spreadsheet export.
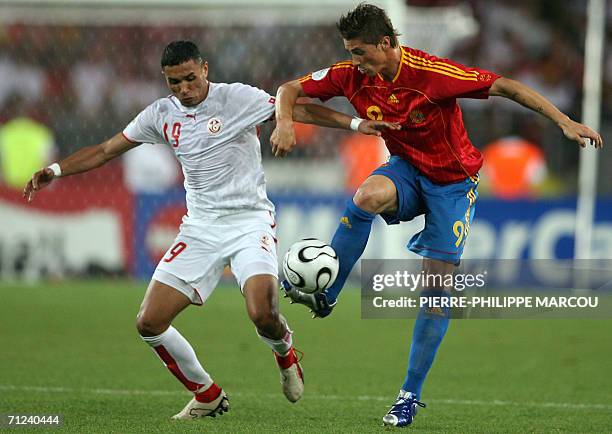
449	209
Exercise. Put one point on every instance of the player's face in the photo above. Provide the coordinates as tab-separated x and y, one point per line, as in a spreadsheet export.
188	81
370	59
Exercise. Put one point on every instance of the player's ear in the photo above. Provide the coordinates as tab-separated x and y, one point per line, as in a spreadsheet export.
385	42
205	70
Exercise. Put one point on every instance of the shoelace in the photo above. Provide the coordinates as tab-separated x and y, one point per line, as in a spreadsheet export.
299	355
406	409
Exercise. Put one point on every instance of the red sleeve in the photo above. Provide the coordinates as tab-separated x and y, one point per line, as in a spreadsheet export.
328	82
445	79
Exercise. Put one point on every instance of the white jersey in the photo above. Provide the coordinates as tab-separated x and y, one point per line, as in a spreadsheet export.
216	143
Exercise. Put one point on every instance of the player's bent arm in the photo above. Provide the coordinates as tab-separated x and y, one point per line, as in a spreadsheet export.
286	97
321	116
527	97
83	160
326	117
283	136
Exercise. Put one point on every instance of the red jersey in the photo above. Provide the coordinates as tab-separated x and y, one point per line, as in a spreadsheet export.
422	97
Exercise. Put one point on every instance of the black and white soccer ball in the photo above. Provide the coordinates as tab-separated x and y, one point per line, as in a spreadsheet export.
311	265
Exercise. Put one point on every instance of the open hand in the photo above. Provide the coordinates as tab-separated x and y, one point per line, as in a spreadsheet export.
374	128
580	133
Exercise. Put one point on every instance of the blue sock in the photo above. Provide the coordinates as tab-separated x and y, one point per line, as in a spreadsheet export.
349	242
429	330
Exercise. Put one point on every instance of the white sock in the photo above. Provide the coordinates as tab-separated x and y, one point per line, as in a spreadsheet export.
280	346
179	357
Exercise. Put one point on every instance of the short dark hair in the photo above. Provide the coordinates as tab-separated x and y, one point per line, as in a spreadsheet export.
368	23
177	52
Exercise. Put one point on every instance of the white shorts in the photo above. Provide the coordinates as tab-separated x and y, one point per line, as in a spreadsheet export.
203	248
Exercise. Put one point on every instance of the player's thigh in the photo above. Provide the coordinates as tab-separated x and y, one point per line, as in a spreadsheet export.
255	266
437	267
161	304
406	202
450	211
253	251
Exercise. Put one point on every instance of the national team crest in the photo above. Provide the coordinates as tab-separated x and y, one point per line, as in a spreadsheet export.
266	244
215	125
417	116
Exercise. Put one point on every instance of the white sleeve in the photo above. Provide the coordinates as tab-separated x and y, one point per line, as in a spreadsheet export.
255	106
143	128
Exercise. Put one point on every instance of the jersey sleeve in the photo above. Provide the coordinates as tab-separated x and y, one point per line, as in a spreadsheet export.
143	128
450	80
253	106
329	82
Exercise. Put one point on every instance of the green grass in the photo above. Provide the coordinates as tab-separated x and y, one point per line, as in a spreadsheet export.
72	348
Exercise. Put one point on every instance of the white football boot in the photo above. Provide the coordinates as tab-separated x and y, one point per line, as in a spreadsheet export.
291	375
196	409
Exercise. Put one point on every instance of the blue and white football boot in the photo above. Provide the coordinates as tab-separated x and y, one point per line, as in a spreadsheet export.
318	303
404	410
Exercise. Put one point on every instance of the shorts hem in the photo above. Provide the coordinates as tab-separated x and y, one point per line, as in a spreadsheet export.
451	258
254	269
180	285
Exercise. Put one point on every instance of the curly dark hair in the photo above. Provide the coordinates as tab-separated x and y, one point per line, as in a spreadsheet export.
368	23
177	52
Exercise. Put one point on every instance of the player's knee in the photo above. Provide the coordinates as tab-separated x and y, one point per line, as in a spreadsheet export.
436	267
370	199
147	326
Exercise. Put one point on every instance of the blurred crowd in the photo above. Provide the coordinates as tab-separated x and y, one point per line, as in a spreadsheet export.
86	83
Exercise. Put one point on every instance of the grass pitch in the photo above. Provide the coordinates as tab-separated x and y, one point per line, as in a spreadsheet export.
72	348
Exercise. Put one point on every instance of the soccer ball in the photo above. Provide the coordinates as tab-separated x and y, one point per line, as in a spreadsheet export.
311	265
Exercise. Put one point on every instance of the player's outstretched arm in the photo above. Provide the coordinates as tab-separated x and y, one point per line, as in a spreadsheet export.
84	159
531	99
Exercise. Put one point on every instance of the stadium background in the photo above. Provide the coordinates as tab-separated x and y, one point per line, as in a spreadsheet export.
80	72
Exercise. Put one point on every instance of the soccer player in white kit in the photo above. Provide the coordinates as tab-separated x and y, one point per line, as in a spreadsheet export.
212	129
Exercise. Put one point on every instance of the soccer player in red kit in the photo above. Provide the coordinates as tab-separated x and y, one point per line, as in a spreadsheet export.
433	168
